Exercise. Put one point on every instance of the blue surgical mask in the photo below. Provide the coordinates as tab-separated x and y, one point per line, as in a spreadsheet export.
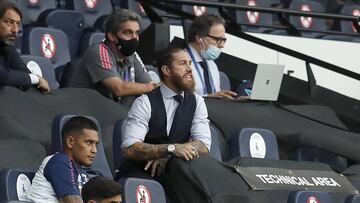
211	53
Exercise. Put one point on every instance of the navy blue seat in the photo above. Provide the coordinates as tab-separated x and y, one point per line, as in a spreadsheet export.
136	7
336	162
305	196
69	21
215	145
117	140
308	23
348	26
254	18
46	42
224	81
14	184
201	10
43	67
353	199
91	9
142	190
31	9
255	143
89	39
100	163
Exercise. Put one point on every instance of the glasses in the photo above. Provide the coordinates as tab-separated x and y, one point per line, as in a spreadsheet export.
218	40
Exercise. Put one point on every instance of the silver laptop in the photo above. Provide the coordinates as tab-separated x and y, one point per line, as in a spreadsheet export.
267	82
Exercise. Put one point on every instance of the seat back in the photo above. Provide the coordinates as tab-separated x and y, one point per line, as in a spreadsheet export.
31	9
353	199
137	8
46	42
43	67
255	143
143	190
100	163
336	162
117	140
70	22
91	9
21	154
215	146
254	18
14	184
89	39
307	196
310	23
201	10
348	26
224	81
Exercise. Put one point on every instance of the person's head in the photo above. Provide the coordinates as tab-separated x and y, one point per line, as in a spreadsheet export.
101	190
174	66
122	28
80	137
10	21
207	35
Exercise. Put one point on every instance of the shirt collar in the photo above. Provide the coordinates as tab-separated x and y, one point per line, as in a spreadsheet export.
127	60
195	54
167	92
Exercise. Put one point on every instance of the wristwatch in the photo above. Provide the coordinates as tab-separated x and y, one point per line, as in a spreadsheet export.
171	148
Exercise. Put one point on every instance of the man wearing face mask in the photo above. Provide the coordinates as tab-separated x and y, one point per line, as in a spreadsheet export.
206	39
113	67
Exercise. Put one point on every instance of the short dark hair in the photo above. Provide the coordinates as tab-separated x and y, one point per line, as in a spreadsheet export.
119	16
77	124
166	57
202	24
99	188
9	4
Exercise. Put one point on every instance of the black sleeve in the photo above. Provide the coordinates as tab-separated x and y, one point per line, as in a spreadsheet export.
13	71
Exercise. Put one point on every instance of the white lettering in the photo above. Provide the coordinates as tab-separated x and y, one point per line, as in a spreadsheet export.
261	178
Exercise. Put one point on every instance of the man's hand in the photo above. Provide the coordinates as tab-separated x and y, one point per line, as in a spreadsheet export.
43	85
186	151
157	166
226	94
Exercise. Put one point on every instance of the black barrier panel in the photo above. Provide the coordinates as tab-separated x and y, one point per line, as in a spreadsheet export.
261	178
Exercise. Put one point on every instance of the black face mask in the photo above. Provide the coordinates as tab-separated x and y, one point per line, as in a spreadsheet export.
127	47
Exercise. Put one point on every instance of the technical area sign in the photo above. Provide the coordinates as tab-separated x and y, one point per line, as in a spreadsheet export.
261	178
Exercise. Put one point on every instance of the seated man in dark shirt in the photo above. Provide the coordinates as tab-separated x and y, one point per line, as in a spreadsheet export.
13	71
113	67
101	190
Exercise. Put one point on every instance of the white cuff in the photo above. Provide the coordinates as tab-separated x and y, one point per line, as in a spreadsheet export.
34	79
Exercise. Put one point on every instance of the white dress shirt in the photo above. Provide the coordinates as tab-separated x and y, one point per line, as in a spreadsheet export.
213	69
136	126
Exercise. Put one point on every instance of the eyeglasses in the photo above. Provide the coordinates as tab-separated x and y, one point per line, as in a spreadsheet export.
219	40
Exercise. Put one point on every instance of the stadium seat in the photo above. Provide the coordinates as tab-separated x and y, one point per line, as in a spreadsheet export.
201	10
136	7
142	190
117	140
224	81
92	10
14	184
347	26
46	42
100	163
252	21
255	143
308	23
21	154
353	199
89	39
336	162
32	9
215	146
69	21
43	67
308	196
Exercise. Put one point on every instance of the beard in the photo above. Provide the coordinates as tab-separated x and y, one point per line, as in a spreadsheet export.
8	40
182	84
